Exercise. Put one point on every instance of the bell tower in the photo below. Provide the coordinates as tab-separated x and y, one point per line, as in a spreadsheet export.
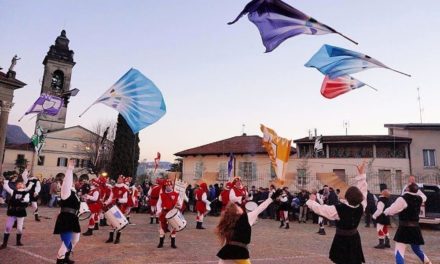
58	65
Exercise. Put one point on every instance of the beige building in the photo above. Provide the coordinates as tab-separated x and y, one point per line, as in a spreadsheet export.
388	158
61	145
209	163
424	149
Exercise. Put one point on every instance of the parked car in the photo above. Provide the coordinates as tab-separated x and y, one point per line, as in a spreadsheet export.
430	211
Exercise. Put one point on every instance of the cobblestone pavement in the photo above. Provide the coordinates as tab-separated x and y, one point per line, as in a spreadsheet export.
269	244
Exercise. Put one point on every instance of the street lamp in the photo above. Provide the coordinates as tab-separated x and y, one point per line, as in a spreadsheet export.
66	95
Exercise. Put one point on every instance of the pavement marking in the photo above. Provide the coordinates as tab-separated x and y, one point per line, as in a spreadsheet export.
33	254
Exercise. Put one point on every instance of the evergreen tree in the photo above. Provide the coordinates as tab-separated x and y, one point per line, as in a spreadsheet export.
125	158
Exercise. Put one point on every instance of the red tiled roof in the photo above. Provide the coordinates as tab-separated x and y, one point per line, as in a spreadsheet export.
355	139
237	145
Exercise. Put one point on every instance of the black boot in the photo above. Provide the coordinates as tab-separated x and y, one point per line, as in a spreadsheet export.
104	222
282	224
110	238
60	261
173	242
151	220
128	219
15	224
381	244
67	259
199	225
287	226
5	241
157	220
96	227
37	218
118	237
160	242
101	222
321	231
387	242
89	232
18	243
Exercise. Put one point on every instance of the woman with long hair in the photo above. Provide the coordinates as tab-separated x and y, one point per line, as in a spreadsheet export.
234	231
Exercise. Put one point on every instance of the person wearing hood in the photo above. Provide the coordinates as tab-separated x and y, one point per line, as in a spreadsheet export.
224	195
118	197
202	204
168	200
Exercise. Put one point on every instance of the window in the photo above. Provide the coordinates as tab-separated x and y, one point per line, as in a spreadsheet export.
62	162
222	172
198	171
301	176
385	178
429	158
399	180
20	157
77	162
247	170
40	161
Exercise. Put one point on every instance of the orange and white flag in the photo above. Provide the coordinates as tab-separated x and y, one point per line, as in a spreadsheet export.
278	149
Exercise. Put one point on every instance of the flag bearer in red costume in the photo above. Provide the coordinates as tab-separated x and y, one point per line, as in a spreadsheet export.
106	191
153	196
118	197
202	204
224	195
168	200
130	202
237	194
93	199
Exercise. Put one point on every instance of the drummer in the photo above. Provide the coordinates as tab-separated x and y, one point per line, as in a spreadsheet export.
93	199
224	195
237	194
118	197
168	200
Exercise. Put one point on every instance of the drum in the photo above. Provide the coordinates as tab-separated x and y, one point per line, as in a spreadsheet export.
250	206
84	211
116	218
176	219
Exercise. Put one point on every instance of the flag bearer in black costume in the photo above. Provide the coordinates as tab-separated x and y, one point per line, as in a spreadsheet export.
408	232
346	247
67	223
234	231
382	221
284	208
34	194
16	208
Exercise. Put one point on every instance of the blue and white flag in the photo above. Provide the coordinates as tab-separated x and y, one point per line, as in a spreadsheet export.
136	98
278	21
336	62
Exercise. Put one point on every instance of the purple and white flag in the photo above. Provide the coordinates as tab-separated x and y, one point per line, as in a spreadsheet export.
46	104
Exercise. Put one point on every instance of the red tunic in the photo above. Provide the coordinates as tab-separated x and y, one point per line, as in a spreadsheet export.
225	198
130	202
118	193
169	201
200	205
154	195
95	206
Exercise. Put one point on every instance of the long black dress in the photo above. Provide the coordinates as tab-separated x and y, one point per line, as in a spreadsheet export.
68	221
346	247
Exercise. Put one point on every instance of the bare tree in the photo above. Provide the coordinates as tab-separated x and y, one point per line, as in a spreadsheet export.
98	146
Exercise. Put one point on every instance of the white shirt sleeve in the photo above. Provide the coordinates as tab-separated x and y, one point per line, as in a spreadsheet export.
110	199
233	198
66	187
361	183
398	206
205	198
159	206
124	198
421	194
38	187
29	187
93	197
252	216
24	175
379	210
7	188
327	211
26	198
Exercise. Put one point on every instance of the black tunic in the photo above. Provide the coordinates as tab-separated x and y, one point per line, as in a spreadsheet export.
347	248
242	234
68	222
32	190
409	231
382	218
16	206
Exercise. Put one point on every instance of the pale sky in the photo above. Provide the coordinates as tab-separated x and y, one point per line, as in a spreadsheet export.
215	77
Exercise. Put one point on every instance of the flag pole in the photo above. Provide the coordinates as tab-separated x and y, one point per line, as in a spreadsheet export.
371	87
406	74
86	109
342	35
